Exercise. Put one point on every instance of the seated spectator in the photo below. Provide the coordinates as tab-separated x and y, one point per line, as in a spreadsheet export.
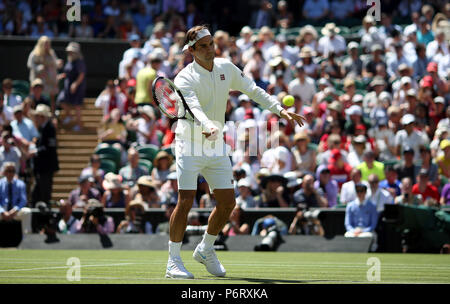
10	100
6	113
384	140
147	192
332	128
305	156
443	160
333	142
348	190
37	88
161	167
24	129
410	137
328	187
115	195
131	172
68	223
406	168
424	187
273	192
391	183
331	41
94	219
110	98
236	224
339	169
95	171
13	198
113	131
208	200
145	126
428	163
80	196
309	196
357	149
407	197
361	216
245	199
378	196
9	152
163	228
371	166
134	221
169	190
352	65
445	195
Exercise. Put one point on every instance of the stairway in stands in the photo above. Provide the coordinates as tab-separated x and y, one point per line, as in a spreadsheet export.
74	150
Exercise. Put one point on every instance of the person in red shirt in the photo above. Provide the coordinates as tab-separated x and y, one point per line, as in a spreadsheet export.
339	170
424	187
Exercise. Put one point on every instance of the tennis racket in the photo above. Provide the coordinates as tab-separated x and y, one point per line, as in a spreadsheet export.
171	102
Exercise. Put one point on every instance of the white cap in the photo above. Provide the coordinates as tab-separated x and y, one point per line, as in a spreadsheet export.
407	119
200	35
243	97
353	45
354	110
357	98
405	80
281	153
244	182
385	95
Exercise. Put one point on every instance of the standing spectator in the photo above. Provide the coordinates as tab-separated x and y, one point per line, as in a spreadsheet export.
46	158
132	172
74	84
361	216
407	197
68	223
424	187
13	198
10	100
264	16
78	198
43	64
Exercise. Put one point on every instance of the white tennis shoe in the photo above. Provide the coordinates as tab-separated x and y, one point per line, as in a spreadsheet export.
176	270
208	258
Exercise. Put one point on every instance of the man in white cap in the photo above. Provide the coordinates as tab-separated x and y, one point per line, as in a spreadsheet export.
410	137
352	65
205	85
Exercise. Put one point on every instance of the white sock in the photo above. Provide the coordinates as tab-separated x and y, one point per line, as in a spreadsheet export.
208	240
174	248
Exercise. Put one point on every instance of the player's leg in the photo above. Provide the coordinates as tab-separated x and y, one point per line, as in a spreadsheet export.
221	213
178	219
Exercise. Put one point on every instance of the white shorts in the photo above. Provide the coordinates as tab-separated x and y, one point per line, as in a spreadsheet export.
216	170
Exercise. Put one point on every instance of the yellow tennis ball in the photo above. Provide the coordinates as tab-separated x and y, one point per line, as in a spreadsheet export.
288	100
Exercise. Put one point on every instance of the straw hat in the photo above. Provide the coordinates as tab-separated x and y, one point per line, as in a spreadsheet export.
277	60
73	47
161	155
37	82
306	52
135	203
43	110
147	110
112	181
308	29
145	180
301	135
329	29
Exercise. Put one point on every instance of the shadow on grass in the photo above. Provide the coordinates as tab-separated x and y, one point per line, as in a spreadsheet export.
274	281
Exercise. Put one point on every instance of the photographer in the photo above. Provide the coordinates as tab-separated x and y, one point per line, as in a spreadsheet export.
68	223
9	152
134	219
94	220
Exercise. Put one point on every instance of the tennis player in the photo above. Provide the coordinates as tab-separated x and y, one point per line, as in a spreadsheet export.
205	85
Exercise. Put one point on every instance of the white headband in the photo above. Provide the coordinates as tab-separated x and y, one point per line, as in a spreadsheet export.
200	35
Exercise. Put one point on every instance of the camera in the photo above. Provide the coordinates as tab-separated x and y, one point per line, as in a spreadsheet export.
95	210
47	220
272	239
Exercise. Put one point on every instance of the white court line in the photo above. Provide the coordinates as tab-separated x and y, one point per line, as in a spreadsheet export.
60	267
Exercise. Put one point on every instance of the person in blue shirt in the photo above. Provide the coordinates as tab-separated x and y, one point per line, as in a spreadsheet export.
391	183
13	198
361	215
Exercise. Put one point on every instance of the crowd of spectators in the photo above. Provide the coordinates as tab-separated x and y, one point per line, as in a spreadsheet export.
376	108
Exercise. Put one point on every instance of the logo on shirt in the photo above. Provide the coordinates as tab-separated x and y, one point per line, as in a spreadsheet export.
222	76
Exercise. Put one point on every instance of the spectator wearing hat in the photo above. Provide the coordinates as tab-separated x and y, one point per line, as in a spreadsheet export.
371	166
411	102
378	195
273	192
438	112
236	224
379	111
244	42
306	57
169	190
161	167
132	58
352	66
419	66
13	198
401	87
371	37
95	171
278	63
265	41
378	85
328	186
315	9
116	194
424	187
78	198
146	192
305	156
369	68
440	134
361	216
384	139
438	83
134	221
110	98
23	128
37	88
355	118
132	171
438	46
74	84
302	86
410	137
245	104
145	125
324	94
68	223
427	162
443	160
282	47
43	64
307	37
357	149
333	141
339	170
45	157
350	91
331	41
94	219
245	199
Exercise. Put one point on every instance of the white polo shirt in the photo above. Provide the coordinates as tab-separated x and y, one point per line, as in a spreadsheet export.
208	91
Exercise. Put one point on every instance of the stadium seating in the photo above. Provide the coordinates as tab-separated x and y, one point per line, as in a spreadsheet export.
148	152
110	153
21	88
108	165
146	164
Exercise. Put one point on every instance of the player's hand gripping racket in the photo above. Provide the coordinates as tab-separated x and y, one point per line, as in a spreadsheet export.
171	102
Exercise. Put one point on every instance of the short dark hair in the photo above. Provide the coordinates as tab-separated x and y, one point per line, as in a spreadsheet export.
192	33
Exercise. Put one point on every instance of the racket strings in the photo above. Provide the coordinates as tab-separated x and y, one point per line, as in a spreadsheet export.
168	99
